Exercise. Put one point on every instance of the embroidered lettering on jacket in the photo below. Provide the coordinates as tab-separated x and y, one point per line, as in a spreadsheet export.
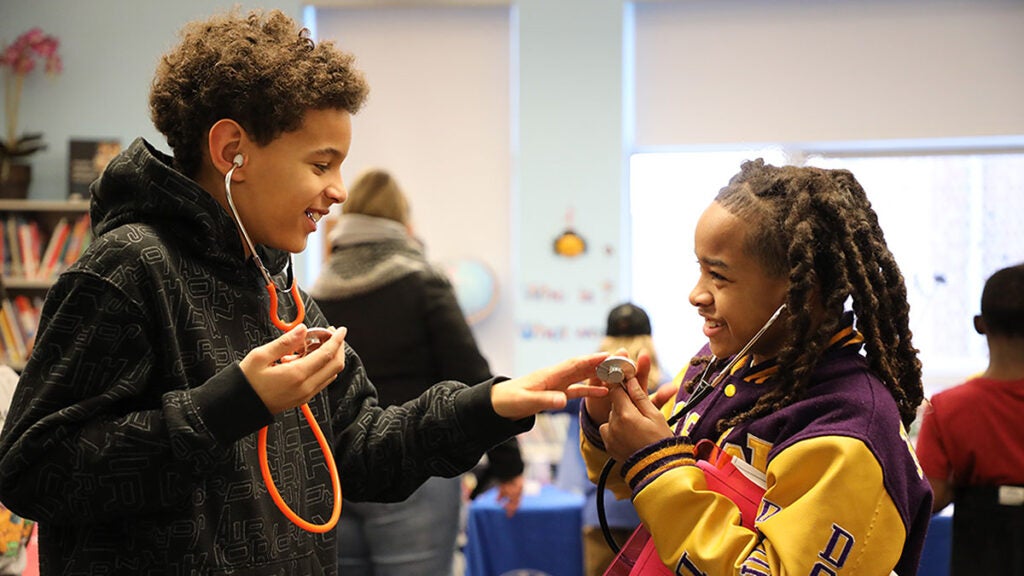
835	554
757	563
686	567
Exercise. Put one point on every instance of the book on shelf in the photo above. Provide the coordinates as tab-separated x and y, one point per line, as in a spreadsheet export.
14	341
28	236
77	241
27	253
54	249
13	263
28	317
19	322
87	160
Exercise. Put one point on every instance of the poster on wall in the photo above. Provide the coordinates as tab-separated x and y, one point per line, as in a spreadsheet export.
564	295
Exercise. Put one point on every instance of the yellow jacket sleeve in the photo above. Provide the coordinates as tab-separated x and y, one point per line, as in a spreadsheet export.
825	511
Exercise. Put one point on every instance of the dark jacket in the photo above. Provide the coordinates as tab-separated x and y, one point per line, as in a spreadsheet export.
403	317
132	435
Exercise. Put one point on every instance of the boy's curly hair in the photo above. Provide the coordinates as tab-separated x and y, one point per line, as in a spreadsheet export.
261	70
817	228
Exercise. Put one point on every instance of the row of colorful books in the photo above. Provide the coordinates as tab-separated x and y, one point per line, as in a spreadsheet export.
26	252
19	318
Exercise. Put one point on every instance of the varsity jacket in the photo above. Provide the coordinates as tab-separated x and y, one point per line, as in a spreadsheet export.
845	493
132	434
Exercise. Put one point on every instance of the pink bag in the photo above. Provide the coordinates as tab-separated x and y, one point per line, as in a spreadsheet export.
729	476
638	556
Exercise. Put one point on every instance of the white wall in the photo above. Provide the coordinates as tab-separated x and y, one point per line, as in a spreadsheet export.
110	50
439	118
570	174
712	71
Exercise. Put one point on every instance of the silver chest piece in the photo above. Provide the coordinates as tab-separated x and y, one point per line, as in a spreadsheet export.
616	369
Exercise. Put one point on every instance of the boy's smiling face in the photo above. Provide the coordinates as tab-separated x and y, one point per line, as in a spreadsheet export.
735	294
293	181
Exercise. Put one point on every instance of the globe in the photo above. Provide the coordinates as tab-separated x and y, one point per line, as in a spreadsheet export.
476	287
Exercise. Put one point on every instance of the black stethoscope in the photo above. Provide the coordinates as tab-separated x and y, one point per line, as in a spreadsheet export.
700	392
314	338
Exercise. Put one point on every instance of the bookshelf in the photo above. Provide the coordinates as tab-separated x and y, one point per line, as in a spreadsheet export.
39	239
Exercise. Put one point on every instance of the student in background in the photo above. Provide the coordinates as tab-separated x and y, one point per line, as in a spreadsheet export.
971	442
628	332
404	319
15	531
133	435
824	423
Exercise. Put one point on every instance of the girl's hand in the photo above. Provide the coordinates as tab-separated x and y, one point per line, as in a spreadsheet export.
599	407
549	388
284	375
634	422
664	394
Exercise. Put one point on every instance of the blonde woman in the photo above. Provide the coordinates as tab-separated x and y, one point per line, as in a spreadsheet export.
404	319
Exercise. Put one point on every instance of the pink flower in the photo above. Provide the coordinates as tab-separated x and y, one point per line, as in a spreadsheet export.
17	60
20	56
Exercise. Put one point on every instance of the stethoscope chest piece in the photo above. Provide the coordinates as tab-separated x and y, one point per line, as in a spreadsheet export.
616	369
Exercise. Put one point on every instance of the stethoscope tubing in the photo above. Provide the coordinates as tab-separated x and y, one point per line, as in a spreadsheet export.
261	442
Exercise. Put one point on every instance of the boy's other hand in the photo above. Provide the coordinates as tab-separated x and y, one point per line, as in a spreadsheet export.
285	376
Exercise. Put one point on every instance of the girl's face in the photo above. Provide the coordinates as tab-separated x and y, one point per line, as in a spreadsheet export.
734	294
293	181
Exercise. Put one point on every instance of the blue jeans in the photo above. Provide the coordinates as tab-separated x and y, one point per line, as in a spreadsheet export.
411	538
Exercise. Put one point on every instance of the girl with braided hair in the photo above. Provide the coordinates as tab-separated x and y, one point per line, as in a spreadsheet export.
819	403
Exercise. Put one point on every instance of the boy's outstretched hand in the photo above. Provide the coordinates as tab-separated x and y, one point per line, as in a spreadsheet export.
549	388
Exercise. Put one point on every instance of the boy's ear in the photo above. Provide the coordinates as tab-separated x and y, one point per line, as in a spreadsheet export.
226	138
979	325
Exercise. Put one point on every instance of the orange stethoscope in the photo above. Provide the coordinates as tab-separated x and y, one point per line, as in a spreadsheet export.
313	341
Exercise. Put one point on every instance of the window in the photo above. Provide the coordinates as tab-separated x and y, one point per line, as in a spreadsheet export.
951	220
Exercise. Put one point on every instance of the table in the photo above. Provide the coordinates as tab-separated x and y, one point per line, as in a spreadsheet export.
938	545
543	538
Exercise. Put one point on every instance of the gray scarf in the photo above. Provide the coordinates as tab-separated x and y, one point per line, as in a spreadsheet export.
366	254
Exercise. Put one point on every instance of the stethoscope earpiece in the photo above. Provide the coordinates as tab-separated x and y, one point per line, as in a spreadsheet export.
272	289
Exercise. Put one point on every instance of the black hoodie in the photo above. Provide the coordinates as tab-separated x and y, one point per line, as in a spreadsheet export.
131	438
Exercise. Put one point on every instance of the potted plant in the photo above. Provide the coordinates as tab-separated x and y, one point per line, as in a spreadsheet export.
18	60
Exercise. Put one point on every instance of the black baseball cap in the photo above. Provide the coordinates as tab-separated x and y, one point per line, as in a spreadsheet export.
628	320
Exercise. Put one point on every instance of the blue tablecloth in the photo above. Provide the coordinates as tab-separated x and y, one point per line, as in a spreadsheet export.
938	545
543	538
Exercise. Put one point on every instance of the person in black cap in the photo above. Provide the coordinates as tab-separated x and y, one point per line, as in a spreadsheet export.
629	327
628	320
627	333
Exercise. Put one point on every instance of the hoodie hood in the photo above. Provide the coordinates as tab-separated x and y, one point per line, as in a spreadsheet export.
140	185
